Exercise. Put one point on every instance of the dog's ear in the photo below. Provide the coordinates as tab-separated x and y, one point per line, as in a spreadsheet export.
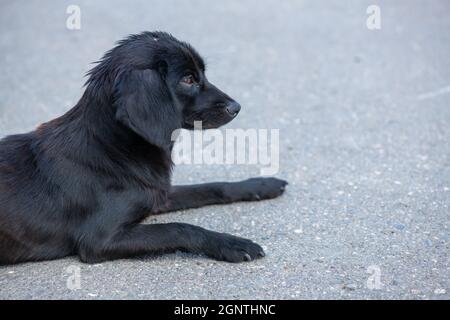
144	104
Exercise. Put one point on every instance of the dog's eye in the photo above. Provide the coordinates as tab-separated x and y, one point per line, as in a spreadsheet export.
189	79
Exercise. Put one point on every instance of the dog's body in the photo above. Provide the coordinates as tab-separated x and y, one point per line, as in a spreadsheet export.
82	183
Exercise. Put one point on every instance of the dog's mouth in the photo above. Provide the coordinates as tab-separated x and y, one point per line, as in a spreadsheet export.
209	120
202	125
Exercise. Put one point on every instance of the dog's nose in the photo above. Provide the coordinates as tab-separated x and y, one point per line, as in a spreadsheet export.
233	108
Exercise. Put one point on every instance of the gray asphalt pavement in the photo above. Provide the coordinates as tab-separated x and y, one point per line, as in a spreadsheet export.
364	118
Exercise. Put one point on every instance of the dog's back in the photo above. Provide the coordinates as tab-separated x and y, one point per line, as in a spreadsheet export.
26	219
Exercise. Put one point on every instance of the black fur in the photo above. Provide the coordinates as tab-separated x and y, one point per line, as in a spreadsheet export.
82	183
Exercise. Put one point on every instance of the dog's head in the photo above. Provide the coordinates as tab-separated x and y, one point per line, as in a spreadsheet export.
158	84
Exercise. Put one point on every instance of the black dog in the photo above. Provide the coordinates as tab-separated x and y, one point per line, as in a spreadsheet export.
82	183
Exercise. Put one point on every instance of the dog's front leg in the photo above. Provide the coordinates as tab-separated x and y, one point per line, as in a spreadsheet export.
159	238
199	195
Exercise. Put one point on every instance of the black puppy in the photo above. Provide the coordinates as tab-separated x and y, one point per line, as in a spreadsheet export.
82	183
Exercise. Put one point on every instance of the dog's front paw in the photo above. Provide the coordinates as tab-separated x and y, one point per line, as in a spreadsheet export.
226	247
256	189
